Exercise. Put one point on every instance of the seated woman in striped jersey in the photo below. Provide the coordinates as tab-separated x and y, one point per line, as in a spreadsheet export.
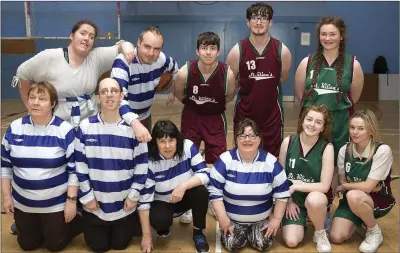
308	161
37	161
177	175
111	165
244	182
365	166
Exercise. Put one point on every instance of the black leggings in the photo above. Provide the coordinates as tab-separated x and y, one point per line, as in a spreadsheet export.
162	213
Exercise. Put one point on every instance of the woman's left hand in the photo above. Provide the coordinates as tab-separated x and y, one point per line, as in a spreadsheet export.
69	211
272	227
177	194
339	190
128	50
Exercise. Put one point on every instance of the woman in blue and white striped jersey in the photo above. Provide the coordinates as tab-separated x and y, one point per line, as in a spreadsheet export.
37	162
177	175
112	167
244	182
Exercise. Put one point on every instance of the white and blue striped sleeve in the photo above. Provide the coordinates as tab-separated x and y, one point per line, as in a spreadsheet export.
147	193
217	179
141	163
172	67
70	157
280	184
82	170
120	72
198	165
6	165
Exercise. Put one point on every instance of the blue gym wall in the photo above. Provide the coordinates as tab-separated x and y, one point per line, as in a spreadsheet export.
369	34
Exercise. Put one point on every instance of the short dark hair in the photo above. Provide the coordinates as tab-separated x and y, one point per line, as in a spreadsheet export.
208	39
165	128
97	90
154	29
242	126
85	22
259	8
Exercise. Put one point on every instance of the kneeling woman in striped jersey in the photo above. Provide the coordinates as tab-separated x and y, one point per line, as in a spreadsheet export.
177	175
111	165
244	182
37	160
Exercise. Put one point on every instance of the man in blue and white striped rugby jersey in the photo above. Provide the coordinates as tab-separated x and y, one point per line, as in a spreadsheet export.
140	77
112	169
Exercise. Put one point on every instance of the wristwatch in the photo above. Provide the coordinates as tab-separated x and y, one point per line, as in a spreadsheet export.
73	198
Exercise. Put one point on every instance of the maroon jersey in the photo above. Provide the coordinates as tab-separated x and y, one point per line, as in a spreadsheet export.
260	96
206	97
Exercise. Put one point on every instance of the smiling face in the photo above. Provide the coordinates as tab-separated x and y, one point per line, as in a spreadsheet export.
259	24
208	54
329	37
167	146
248	142
358	131
313	123
149	47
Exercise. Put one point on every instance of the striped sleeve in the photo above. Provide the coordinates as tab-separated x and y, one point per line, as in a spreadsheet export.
280	185
198	165
147	193
120	72
141	163
173	67
82	171
70	157
6	165
217	179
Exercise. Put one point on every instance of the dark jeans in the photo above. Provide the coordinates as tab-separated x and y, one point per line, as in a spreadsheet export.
45	229
101	235
162	213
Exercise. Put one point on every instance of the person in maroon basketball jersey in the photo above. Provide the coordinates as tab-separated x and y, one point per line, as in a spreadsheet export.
204	86
261	64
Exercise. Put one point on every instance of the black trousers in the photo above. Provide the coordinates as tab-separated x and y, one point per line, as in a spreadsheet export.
101	235
162	213
45	229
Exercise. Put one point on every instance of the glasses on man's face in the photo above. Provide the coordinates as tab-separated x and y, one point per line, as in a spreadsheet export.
112	91
244	136
263	19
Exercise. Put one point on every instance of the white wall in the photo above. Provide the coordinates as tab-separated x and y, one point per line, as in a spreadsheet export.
389	89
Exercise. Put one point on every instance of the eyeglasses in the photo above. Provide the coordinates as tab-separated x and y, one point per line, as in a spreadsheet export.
112	91
263	19
244	136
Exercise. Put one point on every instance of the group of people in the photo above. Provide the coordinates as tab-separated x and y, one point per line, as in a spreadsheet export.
95	144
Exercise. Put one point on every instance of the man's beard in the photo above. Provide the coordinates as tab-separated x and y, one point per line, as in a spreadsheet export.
259	33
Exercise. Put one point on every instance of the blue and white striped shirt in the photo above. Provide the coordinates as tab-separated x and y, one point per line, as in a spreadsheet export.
247	190
138	82
166	175
40	162
111	166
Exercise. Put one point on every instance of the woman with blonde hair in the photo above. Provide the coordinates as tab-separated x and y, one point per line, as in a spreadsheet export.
364	175
308	161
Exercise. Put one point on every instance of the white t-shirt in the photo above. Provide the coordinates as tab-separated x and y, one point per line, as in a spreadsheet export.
51	66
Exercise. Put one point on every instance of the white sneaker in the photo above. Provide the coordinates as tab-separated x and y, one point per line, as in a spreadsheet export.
373	240
186	217
321	239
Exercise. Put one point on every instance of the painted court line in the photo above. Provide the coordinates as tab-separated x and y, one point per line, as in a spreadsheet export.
217	238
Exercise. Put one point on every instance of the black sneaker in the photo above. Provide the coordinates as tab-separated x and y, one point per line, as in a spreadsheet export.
164	234
13	229
200	243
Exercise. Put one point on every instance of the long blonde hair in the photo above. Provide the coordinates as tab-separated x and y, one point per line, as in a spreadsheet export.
372	126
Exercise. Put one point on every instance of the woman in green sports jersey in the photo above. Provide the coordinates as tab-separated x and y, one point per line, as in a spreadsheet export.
308	161
364	174
332	77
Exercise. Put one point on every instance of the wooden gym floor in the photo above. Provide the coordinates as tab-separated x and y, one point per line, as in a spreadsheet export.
180	239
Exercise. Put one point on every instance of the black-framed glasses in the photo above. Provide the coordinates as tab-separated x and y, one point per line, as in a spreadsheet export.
263	19
244	136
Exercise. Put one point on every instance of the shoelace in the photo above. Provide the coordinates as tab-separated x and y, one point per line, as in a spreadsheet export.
199	239
324	237
371	236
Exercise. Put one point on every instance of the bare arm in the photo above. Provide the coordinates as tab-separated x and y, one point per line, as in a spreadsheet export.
300	79
283	151
233	61
219	208
286	58
326	174
180	82
358	82
145	222
231	86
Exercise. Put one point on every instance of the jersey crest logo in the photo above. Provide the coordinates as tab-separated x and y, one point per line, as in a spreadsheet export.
261	76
